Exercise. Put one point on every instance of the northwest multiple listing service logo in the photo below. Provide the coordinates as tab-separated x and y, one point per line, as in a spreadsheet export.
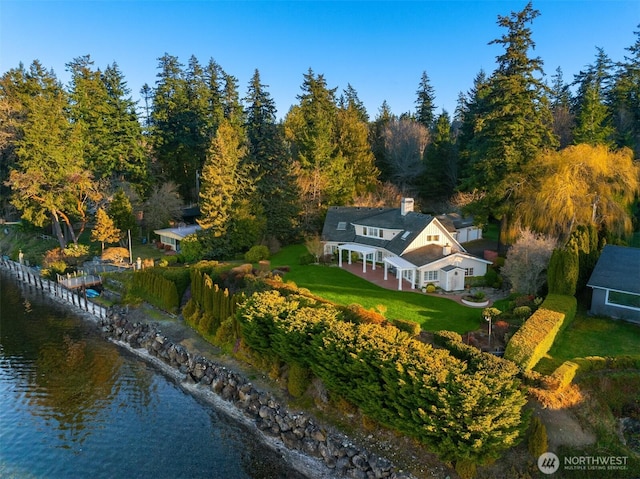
549	463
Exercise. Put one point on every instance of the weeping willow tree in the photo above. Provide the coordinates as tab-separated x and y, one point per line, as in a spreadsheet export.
581	185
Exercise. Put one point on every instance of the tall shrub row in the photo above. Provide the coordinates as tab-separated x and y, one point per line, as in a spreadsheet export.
536	336
461	410
156	289
209	304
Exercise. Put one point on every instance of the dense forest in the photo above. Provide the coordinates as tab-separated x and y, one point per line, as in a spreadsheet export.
521	149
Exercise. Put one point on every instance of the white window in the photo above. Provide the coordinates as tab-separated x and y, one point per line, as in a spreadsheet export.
433	238
430	276
468	271
371	231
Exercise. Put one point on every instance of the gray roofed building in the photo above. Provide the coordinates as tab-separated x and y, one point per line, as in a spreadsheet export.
616	283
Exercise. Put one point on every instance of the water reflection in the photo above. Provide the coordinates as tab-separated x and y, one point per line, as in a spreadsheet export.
75	406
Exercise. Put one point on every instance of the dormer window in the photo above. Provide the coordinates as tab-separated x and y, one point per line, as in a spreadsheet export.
371	231
342	226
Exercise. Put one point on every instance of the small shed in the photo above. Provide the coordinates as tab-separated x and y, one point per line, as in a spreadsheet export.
452	278
173	236
616	283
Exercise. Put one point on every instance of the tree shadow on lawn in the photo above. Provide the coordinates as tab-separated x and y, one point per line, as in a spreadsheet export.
430	312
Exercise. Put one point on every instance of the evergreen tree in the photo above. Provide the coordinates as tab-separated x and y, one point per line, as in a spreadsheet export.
51	180
14	87
515	127
354	164
351	100
275	184
425	102
471	108
593	118
560	102
311	130
625	98
223	179
121	211
441	161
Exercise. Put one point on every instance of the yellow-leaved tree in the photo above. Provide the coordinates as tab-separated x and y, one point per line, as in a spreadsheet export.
580	185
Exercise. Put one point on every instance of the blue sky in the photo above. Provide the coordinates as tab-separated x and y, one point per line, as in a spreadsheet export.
380	48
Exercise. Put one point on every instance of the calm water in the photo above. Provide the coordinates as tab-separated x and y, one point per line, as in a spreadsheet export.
75	406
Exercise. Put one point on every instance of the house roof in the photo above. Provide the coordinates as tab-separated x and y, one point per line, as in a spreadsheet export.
340	220
617	268
178	233
454	221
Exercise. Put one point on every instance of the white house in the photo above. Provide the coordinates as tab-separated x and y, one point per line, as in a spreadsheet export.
415	247
173	236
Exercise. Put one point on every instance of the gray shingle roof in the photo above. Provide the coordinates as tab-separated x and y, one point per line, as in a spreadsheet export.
617	268
387	218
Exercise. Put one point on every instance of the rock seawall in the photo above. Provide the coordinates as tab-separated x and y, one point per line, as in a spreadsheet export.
296	431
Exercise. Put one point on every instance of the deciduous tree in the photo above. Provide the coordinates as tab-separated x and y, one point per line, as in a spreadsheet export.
104	229
526	260
581	185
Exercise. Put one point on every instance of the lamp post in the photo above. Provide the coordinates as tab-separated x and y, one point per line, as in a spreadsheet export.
488	319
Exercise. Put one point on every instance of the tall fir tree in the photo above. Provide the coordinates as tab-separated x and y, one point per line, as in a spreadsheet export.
471	108
276	186
425	106
593	116
625	98
310	129
441	161
515	127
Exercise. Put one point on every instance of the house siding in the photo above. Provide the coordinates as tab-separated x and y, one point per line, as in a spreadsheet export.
600	307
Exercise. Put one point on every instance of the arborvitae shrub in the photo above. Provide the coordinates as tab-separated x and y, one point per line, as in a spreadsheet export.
538	443
299	380
256	253
226	333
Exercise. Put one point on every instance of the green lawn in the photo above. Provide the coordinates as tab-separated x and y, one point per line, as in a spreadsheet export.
592	336
342	287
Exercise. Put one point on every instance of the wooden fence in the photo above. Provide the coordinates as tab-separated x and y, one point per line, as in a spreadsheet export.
32	277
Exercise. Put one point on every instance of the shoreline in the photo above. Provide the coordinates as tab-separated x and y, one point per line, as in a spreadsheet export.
310	449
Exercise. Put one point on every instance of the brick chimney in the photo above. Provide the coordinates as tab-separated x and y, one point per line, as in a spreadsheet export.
406	206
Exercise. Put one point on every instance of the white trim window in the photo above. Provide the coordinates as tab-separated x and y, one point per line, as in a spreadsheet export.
624	300
372	231
468	271
430	276
433	238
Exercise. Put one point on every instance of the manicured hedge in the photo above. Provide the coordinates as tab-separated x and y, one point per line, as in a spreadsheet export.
156	289
534	339
467	410
564	374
